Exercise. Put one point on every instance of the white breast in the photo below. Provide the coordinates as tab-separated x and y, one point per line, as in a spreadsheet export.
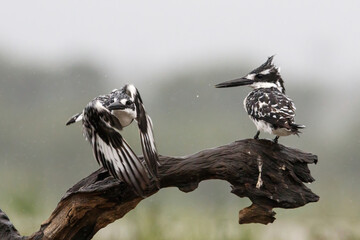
125	116
245	101
266	127
262	126
282	132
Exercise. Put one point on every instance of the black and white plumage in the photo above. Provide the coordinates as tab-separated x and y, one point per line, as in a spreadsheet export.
103	119
267	105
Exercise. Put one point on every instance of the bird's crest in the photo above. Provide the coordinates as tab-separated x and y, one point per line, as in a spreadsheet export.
268	65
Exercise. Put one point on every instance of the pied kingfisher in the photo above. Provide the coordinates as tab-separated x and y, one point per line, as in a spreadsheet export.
103	119
267	105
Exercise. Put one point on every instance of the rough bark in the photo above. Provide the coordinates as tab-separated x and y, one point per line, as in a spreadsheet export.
270	175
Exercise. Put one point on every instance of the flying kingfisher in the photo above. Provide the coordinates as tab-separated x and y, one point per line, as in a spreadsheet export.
267	105
103	119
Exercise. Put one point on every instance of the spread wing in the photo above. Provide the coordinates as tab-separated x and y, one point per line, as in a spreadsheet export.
110	148
147	140
273	107
146	132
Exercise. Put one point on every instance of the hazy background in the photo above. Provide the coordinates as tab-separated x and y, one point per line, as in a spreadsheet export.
56	56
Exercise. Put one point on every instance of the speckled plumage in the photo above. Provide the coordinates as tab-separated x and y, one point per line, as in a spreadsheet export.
274	108
267	105
103	118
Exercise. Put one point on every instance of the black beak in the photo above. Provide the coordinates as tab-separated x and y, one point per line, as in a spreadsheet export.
116	106
234	83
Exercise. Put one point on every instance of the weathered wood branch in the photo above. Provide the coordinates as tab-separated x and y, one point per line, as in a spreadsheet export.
7	229
270	175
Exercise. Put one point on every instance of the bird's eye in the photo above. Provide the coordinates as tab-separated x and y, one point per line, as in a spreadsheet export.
259	76
128	102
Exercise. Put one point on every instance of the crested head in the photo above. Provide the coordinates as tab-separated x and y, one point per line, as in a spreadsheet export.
265	66
122	107
120	101
267	75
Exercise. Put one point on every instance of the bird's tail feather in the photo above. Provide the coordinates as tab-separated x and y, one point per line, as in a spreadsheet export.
295	128
77	117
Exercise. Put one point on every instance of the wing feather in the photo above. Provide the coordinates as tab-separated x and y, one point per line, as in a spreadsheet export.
273	107
147	137
111	150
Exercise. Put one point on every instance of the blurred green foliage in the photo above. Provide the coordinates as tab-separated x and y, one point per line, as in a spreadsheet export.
40	158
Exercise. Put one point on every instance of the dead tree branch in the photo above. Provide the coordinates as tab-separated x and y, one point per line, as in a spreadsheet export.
270	175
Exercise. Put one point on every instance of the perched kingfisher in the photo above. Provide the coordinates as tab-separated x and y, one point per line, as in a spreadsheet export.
103	119
267	105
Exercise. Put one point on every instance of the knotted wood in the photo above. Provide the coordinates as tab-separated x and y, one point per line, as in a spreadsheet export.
270	175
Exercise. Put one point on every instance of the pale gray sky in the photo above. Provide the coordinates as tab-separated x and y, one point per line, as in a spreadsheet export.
137	39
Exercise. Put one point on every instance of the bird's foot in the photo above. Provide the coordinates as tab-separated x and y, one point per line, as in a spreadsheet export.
257	135
276	139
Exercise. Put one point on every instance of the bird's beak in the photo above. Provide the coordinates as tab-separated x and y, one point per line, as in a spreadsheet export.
116	106
236	82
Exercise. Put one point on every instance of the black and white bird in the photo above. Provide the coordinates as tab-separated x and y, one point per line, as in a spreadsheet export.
103	119
267	105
